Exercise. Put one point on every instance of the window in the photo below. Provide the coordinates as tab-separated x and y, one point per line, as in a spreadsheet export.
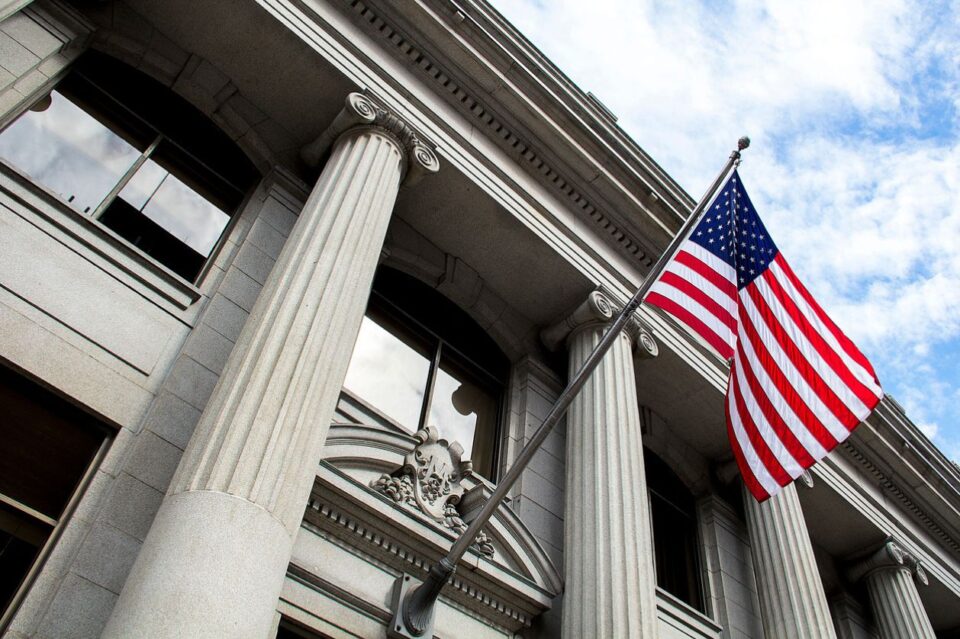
49	447
419	360
123	149
675	537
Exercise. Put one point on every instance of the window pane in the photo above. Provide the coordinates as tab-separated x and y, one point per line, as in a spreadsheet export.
388	372
21	538
69	151
174	206
466	412
48	445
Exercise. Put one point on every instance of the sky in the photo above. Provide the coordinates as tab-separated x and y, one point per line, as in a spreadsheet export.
852	109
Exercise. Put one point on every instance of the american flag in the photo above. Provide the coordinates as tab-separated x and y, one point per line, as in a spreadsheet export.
797	384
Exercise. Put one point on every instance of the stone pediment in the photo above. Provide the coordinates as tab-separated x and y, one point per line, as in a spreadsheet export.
507	577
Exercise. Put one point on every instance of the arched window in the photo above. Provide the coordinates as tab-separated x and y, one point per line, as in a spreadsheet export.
420	360
120	147
675	537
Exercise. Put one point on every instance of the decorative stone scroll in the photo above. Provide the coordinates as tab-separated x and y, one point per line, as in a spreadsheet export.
892	575
363	110
429	482
600	309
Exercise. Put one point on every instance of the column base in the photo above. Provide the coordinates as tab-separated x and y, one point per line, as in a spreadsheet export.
212	567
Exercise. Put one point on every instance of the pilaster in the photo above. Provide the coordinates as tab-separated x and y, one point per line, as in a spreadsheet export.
214	560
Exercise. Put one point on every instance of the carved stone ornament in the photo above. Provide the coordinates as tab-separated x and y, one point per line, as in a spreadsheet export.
891	555
361	110
600	309
429	482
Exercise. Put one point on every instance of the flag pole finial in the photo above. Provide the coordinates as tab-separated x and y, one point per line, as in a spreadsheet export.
743	143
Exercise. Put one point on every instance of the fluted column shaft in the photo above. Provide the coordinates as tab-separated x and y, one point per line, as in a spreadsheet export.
214	561
896	605
792	601
891	575
610	580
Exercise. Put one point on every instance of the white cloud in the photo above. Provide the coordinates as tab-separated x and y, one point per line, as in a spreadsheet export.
855	165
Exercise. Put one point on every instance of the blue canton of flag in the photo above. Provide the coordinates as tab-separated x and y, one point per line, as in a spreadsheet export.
797	386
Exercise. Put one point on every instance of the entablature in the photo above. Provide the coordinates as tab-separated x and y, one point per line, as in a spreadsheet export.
521	102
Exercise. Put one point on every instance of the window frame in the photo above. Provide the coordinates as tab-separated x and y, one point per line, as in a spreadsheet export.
666	488
56	525
380	303
160	137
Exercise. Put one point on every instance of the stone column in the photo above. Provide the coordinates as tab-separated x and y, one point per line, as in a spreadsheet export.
792	602
608	548
892	575
214	560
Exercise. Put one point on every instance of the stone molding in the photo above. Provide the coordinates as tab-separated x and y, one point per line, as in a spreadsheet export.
361	111
322	516
517	143
599	308
891	488
890	556
507	590
361	453
410	252
127	36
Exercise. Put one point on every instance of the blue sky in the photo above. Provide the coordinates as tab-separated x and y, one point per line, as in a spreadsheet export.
855	165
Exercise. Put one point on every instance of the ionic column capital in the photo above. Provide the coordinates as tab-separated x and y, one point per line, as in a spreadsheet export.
890	556
599	309
362	112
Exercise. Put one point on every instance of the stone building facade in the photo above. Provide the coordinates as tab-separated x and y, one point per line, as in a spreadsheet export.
285	285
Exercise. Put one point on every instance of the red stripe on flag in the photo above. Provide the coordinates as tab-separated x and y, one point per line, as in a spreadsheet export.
865	395
767	458
696	264
701	298
746	472
693	322
796	403
800	362
844	341
790	441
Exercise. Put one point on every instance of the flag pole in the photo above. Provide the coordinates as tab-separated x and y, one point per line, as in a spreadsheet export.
413	608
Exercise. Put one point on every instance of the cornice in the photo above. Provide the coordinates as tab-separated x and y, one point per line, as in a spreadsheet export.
893	489
616	158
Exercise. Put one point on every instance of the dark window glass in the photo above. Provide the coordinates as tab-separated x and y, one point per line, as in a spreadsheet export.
122	148
675	537
48	446
419	360
290	630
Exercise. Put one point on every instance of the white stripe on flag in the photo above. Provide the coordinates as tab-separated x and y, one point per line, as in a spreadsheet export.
780	452
750	455
725	270
692	305
791	375
781	405
706	286
808	350
858	371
